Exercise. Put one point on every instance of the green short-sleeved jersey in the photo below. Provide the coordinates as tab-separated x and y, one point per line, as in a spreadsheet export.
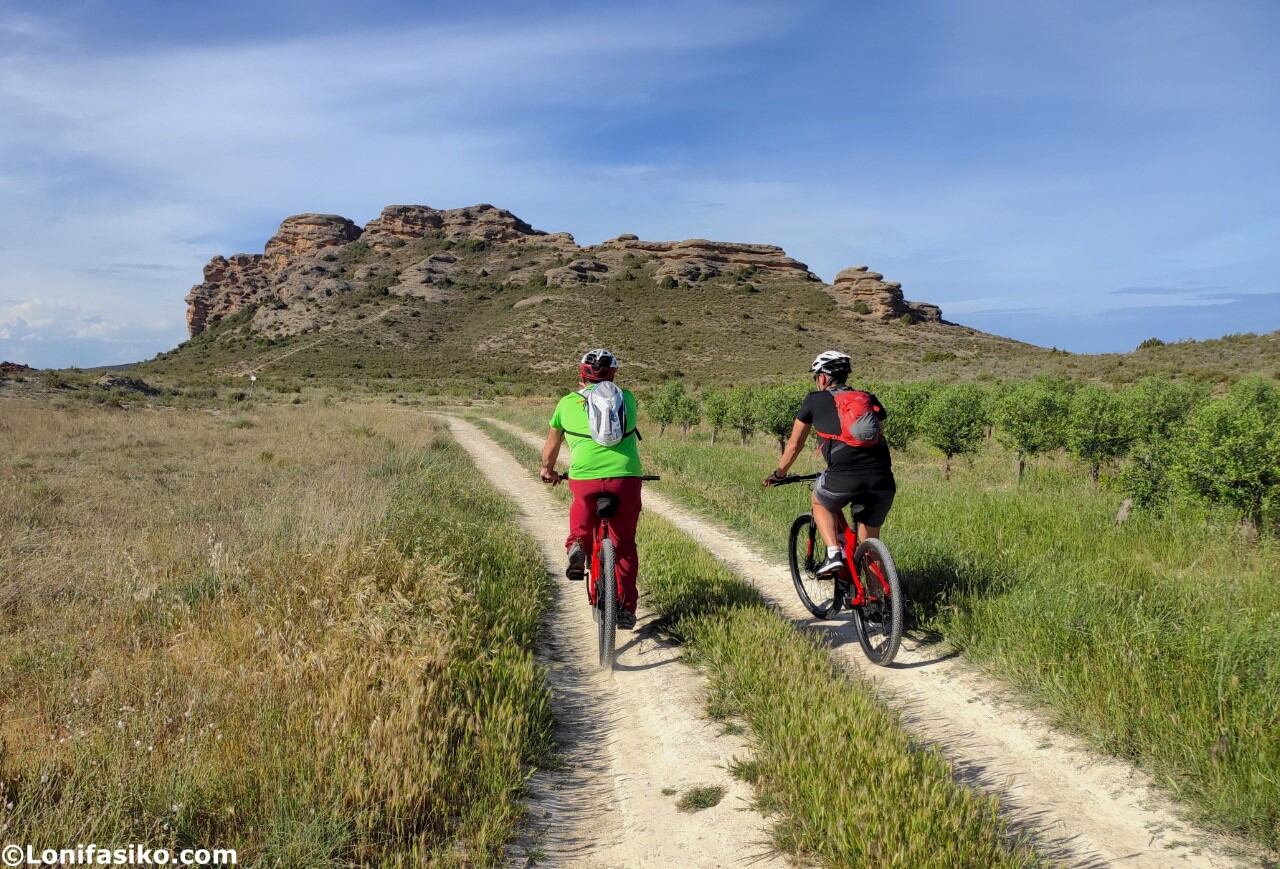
592	461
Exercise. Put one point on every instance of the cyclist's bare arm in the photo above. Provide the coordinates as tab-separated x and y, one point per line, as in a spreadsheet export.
799	434
551	452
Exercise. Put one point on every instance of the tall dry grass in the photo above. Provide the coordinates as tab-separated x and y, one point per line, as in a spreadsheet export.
254	632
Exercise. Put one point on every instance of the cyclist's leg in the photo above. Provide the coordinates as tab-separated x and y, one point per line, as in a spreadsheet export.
582	513
828	510
828	521
622	530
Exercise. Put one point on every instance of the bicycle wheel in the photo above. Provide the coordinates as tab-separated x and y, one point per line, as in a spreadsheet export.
607	601
879	619
804	551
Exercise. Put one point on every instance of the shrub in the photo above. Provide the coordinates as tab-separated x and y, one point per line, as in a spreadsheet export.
667	283
775	409
1097	430
715	404
1151	342
688	412
861	308
904	404
1031	418
1230	454
741	411
953	421
931	356
664	405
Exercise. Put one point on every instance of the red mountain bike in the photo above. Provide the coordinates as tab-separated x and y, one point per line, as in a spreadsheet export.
868	587
602	575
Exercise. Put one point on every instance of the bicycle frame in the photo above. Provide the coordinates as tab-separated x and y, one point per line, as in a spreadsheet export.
849	545
602	528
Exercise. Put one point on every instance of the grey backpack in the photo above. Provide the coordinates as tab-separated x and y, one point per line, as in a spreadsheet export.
606	412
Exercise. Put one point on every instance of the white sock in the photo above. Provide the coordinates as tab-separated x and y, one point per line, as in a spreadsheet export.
832	551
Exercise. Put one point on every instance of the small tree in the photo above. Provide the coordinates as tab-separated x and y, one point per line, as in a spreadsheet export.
715	404
904	404
953	421
1230	454
1030	419
688	412
741	414
1157	407
665	403
1097	428
776	407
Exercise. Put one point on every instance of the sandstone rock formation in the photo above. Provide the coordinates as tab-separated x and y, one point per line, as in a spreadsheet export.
698	258
14	368
417	251
304	235
867	292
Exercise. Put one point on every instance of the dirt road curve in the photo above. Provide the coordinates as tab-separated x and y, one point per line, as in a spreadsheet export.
625	738
1081	807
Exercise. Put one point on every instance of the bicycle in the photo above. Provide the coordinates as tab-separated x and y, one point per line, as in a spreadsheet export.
602	573
868	586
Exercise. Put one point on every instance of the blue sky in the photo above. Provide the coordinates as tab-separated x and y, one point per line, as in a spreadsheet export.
1076	174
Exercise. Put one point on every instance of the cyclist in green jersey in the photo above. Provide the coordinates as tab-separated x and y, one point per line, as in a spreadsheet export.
595	470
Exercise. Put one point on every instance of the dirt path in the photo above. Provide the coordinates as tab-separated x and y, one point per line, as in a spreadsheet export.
1081	807
625	737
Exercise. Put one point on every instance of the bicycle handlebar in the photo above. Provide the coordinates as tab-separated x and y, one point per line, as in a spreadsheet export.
796	478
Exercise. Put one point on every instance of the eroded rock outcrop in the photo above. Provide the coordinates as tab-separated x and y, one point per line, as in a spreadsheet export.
697	258
867	292
426	253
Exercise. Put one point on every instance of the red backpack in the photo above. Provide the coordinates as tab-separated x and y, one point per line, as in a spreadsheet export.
859	423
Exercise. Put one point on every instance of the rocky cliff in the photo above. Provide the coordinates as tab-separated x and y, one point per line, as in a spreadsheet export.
315	260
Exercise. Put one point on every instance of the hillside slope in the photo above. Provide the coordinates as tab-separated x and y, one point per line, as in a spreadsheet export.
478	295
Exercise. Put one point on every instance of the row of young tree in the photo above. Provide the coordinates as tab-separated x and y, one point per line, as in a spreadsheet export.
1170	438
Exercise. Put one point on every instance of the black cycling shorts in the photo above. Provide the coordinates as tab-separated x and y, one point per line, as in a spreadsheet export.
873	494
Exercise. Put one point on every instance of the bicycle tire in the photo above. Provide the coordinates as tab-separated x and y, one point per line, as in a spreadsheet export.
802	547
883	609
607	601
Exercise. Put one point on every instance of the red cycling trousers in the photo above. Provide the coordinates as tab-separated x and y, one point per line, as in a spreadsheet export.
622	525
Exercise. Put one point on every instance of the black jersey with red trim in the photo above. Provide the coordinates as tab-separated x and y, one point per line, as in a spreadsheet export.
819	410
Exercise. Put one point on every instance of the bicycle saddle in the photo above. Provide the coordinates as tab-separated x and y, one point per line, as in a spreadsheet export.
606	505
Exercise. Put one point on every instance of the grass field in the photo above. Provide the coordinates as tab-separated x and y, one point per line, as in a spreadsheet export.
1157	640
282	632
882	799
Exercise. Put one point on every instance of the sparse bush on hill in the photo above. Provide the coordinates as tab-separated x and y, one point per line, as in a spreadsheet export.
1151	342
953	421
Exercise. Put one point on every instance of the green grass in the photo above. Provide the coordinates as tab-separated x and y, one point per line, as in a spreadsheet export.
882	799
1158	641
696	799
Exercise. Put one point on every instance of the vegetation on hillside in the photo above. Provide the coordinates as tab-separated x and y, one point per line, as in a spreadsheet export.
286	631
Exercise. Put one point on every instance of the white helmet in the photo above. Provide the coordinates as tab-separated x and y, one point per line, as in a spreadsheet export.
831	362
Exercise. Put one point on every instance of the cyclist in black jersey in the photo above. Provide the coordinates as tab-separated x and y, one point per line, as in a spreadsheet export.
859	468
